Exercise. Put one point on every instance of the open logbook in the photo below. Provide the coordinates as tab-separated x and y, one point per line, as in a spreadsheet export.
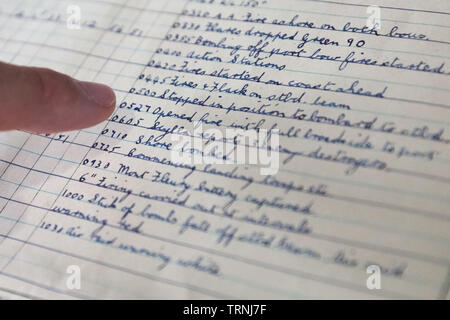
273	149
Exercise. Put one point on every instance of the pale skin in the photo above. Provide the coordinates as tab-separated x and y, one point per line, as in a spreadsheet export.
44	101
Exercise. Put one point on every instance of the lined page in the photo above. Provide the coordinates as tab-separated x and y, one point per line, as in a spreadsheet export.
291	149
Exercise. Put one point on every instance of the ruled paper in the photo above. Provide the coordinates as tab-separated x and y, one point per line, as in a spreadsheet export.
344	107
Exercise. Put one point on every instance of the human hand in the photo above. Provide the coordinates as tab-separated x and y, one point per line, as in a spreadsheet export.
44	101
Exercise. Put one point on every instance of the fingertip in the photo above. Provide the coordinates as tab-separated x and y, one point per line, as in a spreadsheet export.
74	107
99	93
54	102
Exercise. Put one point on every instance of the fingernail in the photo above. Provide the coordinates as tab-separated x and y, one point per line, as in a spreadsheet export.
98	93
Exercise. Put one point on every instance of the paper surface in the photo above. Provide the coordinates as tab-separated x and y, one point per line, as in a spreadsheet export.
336	185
